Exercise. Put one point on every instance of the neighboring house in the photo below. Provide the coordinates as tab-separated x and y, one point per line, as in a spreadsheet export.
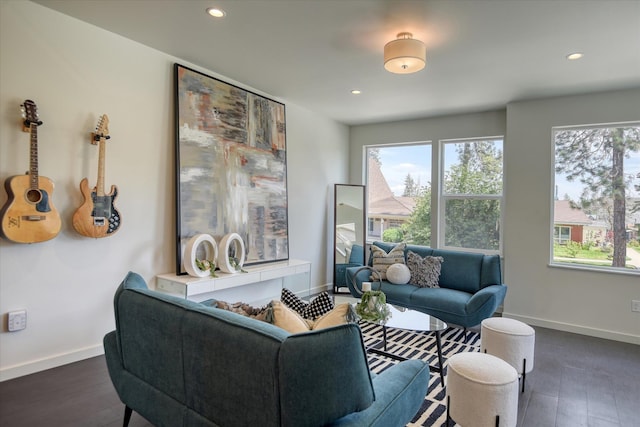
573	225
385	210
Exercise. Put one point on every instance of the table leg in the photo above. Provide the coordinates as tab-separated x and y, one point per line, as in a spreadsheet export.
440	357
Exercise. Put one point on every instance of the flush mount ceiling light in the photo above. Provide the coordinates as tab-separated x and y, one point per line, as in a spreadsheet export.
215	12
405	54
574	56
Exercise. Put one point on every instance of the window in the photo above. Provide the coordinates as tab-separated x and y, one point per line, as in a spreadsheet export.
399	193
597	195
561	235
471	201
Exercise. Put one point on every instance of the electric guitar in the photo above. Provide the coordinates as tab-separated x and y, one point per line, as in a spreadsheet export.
98	217
28	216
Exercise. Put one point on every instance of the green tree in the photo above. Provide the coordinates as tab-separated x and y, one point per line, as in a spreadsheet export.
417	229
393	235
474	222
595	157
411	187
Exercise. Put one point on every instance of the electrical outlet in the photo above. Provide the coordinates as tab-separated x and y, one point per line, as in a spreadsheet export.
635	305
17	320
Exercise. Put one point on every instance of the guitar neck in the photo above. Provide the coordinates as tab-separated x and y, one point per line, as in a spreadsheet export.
33	162
101	155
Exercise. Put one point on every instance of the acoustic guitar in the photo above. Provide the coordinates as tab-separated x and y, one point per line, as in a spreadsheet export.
97	216
29	216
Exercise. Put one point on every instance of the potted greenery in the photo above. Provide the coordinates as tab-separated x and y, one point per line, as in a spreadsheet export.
373	307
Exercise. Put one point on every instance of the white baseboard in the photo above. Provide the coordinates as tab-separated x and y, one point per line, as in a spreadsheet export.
34	366
320	288
576	329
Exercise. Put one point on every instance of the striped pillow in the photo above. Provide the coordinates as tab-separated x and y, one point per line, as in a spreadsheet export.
383	260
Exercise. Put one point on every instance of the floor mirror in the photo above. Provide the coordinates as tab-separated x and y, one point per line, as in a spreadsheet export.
349	232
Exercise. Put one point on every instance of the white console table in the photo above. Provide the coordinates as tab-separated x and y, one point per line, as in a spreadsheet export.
259	285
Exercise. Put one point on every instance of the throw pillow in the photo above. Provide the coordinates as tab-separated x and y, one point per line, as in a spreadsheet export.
343	313
316	308
238	307
286	318
292	301
425	272
382	260
398	274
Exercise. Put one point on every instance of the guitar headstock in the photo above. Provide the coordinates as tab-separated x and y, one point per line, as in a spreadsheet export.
102	130
30	114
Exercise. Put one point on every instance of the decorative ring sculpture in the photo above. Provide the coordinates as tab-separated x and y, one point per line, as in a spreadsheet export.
231	264
366	267
191	249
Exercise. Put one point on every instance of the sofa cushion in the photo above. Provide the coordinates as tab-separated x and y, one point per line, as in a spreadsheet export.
382	259
397	293
436	300
460	270
425	272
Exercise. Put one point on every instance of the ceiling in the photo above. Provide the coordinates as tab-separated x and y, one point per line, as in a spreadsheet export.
481	54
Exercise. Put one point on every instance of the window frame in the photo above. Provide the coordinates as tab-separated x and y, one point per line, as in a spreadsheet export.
444	197
365	179
553	195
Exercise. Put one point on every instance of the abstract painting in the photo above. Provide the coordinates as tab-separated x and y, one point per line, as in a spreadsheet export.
231	168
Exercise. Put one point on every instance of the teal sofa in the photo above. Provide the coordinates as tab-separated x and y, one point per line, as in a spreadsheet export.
471	287
181	363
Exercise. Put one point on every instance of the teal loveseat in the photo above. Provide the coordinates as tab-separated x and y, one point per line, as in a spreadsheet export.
471	287
180	363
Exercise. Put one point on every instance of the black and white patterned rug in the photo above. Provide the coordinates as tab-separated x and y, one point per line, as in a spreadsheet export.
421	345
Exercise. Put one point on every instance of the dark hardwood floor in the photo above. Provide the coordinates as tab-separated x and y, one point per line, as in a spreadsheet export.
576	381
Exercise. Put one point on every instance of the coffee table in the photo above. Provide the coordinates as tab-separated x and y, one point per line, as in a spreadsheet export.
410	320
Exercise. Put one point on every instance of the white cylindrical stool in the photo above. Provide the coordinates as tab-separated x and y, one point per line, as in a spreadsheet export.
482	391
511	341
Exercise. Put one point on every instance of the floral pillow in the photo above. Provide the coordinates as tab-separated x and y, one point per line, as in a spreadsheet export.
425	272
383	260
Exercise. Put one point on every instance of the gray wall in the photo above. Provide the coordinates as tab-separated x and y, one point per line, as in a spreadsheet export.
593	303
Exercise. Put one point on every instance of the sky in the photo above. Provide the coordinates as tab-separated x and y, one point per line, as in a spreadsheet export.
574	189
398	161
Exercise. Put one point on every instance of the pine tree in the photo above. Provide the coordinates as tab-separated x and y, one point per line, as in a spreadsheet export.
595	157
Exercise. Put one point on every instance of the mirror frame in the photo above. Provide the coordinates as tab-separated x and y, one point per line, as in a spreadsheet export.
358	196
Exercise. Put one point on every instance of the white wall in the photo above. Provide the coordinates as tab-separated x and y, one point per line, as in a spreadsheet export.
75	72
591	303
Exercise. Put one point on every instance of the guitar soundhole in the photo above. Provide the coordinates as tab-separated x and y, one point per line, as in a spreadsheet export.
34	196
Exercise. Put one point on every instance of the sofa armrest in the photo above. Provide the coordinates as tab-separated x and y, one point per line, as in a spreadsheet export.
399	390
487	299
113	358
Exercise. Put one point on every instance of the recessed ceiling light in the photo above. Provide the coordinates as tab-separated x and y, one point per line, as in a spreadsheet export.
215	12
574	56
356	92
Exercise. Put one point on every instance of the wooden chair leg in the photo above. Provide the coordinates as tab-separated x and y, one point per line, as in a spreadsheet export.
127	416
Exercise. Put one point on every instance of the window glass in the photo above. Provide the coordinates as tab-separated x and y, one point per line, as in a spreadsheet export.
399	193
471	202
596	209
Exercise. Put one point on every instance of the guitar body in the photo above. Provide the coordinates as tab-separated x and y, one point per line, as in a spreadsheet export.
29	215
97	216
